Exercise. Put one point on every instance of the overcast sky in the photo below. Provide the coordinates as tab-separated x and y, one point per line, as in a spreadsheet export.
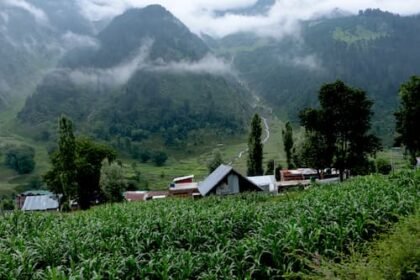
199	15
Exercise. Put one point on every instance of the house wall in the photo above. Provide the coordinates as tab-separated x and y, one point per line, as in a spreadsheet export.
228	186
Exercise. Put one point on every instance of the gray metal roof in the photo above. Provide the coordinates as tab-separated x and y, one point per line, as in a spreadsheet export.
40	203
37	192
213	179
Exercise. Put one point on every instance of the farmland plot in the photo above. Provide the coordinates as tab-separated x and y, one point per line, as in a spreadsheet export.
237	237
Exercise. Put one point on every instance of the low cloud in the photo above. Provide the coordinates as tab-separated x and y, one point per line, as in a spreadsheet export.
116	75
121	73
37	13
207	65
72	40
282	19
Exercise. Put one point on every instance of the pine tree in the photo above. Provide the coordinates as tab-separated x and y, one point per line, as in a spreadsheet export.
288	144
255	148
408	117
66	159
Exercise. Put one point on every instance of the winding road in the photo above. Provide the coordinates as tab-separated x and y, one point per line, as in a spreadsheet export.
266	138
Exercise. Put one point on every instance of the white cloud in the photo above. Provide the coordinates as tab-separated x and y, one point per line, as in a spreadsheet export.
116	75
121	73
207	65
282	19
37	13
72	40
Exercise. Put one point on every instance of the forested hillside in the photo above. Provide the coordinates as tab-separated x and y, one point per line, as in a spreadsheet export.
31	42
374	50
148	76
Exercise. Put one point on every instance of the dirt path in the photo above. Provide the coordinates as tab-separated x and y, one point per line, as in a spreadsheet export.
266	138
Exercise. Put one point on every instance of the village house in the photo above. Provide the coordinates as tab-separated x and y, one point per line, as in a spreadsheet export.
267	183
21	198
41	203
225	181
184	187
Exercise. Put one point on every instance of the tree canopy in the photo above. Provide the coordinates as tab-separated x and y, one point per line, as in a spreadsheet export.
76	167
342	124
20	158
288	144
408	117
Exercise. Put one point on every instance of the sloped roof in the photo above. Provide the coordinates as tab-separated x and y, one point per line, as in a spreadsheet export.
214	178
263	180
268	180
183	178
36	192
217	176
40	203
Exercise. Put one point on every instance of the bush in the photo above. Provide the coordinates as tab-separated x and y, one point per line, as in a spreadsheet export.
20	158
159	158
383	166
112	181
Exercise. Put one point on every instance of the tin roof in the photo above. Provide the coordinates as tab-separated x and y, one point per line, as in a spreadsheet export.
263	180
183	178
214	178
40	203
36	192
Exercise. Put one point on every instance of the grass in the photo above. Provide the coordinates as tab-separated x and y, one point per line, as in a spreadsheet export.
160	177
359	34
396	255
249	236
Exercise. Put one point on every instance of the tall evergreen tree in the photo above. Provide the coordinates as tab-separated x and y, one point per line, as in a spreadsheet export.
343	121
288	144
408	117
255	148
76	166
62	178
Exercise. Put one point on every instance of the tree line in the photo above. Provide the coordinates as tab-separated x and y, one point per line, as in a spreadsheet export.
338	134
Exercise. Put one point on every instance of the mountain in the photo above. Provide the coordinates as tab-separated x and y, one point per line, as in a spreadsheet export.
32	39
148	79
374	50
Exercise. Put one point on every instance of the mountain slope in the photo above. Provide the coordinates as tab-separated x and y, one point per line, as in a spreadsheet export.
32	40
374	50
149	77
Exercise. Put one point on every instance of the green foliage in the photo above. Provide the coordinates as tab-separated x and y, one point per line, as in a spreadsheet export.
288	144
7	204
20	158
159	158
250	236
112	181
315	152
165	105
270	167
277	172
383	53
383	166
341	126
393	256
255	148
215	162
76	166
408	116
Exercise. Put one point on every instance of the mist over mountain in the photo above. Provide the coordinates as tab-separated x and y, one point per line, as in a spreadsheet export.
375	51
32	38
148	75
143	72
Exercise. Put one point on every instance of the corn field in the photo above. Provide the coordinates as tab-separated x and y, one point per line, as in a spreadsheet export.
239	237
